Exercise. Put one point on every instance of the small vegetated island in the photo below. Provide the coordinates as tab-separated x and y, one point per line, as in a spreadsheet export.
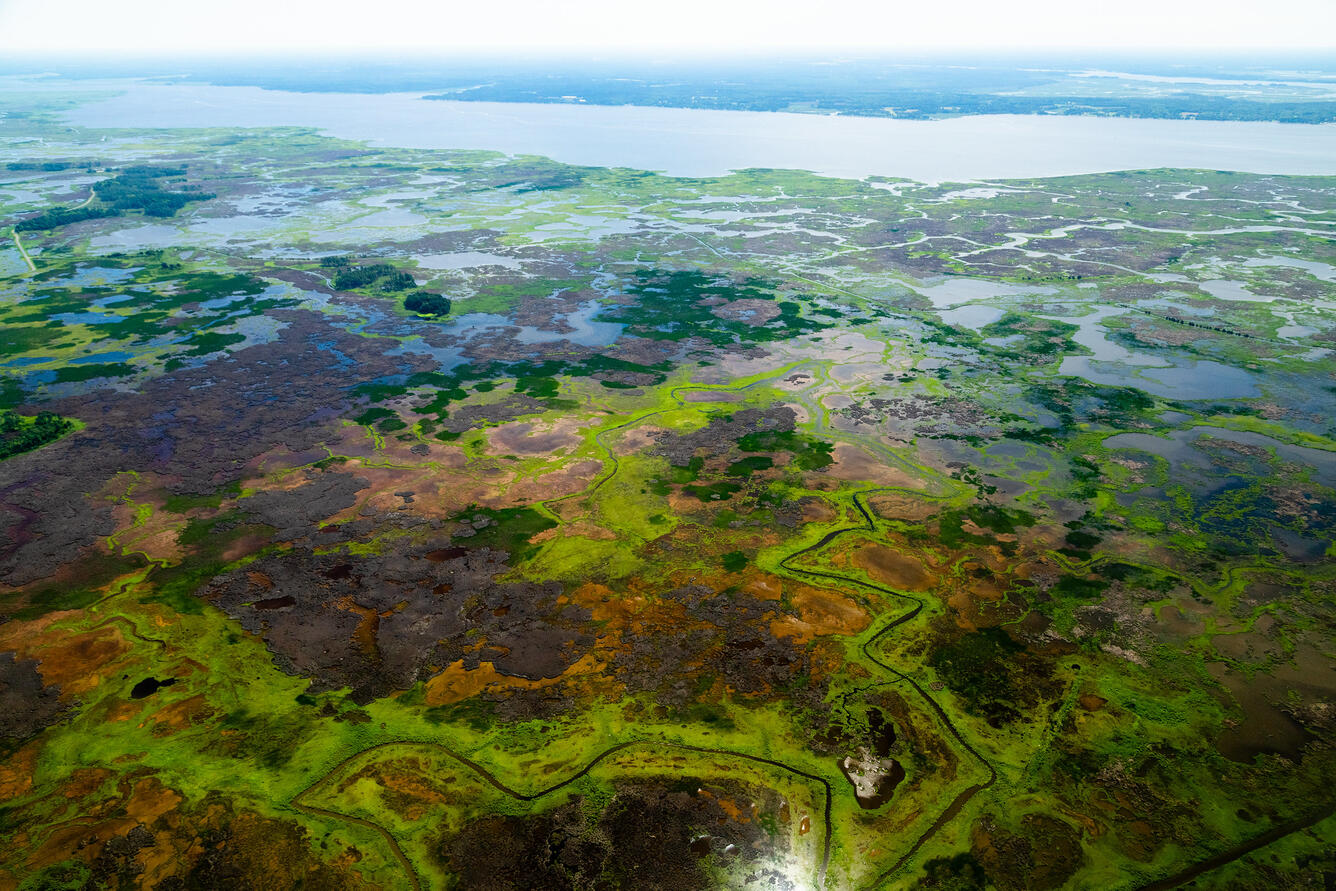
425	304
381	518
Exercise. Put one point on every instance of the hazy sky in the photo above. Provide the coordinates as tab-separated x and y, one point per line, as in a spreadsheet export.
134	26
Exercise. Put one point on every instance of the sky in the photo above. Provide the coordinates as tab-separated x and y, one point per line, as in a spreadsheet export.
172	27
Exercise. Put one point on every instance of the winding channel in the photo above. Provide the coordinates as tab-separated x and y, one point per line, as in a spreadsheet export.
826	577
1240	851
492	781
869	650
965	795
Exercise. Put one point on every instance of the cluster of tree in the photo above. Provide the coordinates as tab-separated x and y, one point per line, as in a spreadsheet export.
48	166
134	188
425	303
151	171
333	262
361	276
63	216
399	281
19	434
137	188
382	275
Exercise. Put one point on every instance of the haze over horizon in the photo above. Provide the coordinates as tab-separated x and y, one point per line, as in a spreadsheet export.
162	27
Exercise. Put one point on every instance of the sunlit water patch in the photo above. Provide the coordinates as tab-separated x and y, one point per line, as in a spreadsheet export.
1178	447
11	263
134	238
1196	380
954	291
973	316
1324	271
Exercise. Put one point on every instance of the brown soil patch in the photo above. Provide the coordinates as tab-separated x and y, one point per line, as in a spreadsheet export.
1091	702
122	711
365	632
77	662
820	612
414	786
156	538
749	311
969	602
637	439
457	683
632	614
898	506
734	810
180	715
897	569
150	800
245	546
576	529
764	587
532	439
713	396
440	492
567	481
16	772
817	510
353	441
818	482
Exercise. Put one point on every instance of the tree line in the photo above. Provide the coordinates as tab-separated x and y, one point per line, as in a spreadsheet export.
19	434
382	275
134	188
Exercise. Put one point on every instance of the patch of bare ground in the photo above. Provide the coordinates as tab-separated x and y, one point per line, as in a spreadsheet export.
664	640
1158	333
568	480
971	598
820	612
535	438
638	439
76	662
458	682
853	464
427	492
894	568
578	528
753	312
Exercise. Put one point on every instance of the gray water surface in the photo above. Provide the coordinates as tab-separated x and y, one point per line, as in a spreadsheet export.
700	142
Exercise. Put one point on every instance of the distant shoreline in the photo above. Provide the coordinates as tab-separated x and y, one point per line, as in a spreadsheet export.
1298	89
711	143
